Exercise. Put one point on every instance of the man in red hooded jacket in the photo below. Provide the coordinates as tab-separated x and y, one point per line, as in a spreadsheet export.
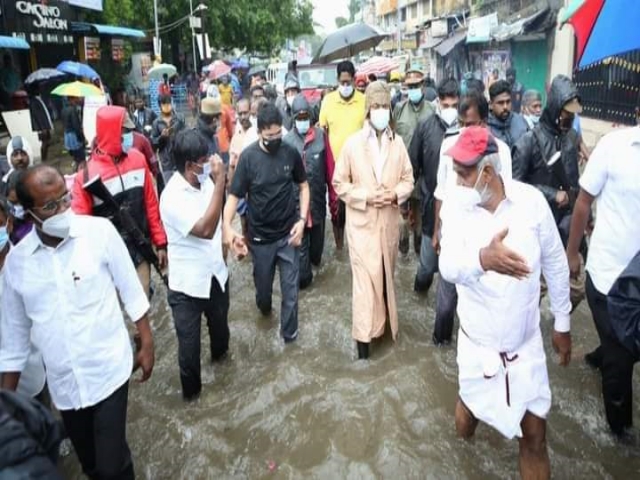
125	173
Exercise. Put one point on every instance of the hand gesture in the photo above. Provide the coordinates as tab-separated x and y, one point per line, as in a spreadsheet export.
562	199
145	359
296	233
574	265
435	243
562	345
163	260
235	242
217	169
498	258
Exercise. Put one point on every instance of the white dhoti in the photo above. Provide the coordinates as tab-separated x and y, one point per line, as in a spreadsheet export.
500	387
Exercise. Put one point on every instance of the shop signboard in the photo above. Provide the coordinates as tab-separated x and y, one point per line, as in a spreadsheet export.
92	49
117	50
90	4
39	22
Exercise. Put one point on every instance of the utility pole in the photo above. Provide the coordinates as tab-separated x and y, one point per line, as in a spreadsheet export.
399	26
193	36
156	44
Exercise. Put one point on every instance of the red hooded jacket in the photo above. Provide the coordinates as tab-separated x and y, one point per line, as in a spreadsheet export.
126	176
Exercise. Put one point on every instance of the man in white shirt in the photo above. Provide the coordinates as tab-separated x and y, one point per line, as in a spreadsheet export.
61	288
191	207
612	176
497	237
474	111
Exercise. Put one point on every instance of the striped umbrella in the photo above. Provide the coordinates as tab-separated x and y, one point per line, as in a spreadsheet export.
77	89
377	66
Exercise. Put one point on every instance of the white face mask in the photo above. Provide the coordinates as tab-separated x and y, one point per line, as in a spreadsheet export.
290	100
534	119
470	197
59	225
206	172
379	118
449	116
254	121
346	90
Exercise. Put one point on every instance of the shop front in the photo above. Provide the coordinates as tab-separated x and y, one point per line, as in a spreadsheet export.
46	27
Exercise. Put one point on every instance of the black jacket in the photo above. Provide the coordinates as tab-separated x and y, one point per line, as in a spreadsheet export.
163	144
145	120
535	148
510	130
624	306
29	439
424	152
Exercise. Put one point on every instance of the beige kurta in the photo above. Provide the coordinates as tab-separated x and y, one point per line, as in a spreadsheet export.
372	233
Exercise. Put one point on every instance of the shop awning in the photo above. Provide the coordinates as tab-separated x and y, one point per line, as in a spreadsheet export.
430	42
450	43
112	30
506	31
13	42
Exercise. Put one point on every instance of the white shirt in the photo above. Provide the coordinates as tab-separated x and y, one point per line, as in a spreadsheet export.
495	310
65	300
380	150
612	175
447	176
33	378
193	261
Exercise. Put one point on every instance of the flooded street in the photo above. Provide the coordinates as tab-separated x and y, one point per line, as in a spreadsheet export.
310	410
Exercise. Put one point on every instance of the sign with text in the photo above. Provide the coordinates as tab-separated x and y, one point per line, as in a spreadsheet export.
39	22
90	4
92	48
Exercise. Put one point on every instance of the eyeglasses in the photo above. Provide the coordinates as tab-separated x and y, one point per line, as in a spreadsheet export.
53	205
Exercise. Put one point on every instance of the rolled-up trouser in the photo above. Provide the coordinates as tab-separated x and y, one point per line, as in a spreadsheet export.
446	303
187	317
427	266
287	257
311	252
617	364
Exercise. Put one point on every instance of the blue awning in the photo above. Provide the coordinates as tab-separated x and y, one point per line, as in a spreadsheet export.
13	42
112	30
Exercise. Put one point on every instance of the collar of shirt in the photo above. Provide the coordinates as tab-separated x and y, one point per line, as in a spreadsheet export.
34	242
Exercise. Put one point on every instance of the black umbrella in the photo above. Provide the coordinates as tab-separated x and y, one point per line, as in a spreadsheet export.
256	70
348	41
43	75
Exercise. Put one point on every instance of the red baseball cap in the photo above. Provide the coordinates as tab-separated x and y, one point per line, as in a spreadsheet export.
474	143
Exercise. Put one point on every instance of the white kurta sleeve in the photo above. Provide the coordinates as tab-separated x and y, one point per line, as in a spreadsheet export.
15	325
459	254
404	188
124	274
554	268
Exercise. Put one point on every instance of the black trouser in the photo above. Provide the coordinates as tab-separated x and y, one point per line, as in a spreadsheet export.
446	303
98	435
617	364
187	317
286	257
311	252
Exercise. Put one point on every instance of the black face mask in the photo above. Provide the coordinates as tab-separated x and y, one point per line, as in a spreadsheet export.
273	145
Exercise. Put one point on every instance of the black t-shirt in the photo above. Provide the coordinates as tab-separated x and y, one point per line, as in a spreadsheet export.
268	182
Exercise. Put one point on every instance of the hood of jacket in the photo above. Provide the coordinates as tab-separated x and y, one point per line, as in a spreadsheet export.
562	90
300	104
109	120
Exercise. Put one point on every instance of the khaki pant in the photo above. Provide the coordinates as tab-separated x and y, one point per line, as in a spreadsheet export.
144	274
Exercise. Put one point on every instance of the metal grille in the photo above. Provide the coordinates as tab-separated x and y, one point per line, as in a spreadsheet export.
610	89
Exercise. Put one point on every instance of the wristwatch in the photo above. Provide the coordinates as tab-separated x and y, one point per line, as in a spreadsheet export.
303	219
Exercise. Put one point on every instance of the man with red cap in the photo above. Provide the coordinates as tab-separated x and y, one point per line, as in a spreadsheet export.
498	236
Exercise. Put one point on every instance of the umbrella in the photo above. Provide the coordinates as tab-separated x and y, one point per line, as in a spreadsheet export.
256	70
77	89
377	66
594	22
239	64
159	71
348	41
218	69
43	74
78	69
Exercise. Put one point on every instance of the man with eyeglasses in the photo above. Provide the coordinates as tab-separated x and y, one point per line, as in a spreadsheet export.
267	173
62	289
125	173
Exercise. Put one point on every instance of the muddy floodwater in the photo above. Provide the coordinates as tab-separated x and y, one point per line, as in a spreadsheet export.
311	411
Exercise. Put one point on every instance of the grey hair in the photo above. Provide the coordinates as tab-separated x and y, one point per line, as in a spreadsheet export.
530	96
492	159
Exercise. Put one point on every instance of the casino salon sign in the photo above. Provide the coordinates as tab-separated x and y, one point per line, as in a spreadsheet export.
46	16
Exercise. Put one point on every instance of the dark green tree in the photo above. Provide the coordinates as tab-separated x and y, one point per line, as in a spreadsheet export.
354	8
341	22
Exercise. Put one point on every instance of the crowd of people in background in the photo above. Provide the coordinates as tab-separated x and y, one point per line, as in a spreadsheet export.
487	180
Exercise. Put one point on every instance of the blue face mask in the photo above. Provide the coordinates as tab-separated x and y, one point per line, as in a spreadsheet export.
4	237
415	95
303	126
127	141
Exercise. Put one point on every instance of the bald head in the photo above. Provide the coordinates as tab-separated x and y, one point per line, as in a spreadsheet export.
37	183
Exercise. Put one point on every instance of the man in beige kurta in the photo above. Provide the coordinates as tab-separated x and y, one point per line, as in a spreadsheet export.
373	176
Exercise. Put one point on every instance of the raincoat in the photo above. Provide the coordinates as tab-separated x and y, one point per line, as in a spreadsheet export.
372	233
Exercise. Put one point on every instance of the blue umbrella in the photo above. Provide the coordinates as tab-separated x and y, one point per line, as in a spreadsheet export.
240	64
78	69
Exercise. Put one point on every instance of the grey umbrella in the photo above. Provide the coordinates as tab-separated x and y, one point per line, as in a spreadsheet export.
348	41
44	74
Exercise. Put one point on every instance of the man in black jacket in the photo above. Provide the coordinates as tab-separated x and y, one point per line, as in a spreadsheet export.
531	154
424	152
503	122
143	117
